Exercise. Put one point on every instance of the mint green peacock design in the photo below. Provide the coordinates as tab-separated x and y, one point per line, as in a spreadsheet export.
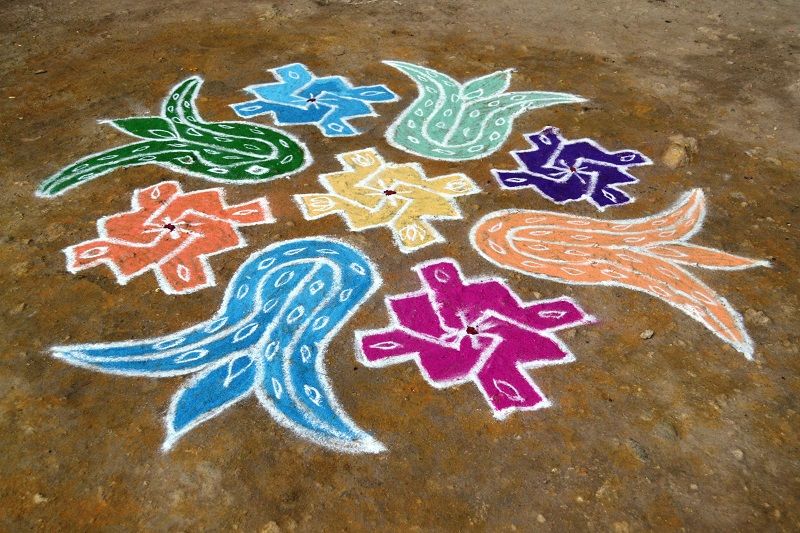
179	139
460	121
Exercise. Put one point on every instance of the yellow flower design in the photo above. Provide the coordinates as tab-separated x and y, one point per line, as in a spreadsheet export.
371	193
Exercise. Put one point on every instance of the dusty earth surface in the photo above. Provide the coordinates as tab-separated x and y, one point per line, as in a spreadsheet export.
677	431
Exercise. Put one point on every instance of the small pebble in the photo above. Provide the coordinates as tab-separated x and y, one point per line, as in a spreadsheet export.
621	527
271	527
647	334
679	152
756	317
541	519
738	454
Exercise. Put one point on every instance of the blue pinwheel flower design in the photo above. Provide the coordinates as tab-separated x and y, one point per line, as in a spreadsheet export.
302	98
566	171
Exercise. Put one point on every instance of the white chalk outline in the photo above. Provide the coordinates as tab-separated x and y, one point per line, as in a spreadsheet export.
347	167
333	108
307	159
163	283
746	348
391	131
472	376
550	162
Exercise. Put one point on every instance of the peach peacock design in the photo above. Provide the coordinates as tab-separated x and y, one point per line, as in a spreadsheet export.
646	254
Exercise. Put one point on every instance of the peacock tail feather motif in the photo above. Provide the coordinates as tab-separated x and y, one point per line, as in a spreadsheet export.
456	121
646	254
179	139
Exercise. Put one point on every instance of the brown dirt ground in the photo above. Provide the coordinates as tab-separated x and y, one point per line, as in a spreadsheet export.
675	432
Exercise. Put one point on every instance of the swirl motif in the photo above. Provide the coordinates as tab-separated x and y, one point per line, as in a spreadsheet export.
643	254
170	233
268	338
565	171
300	97
459	330
457	122
238	152
371	193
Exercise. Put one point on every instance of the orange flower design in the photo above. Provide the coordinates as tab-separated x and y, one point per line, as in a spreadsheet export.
644	254
171	233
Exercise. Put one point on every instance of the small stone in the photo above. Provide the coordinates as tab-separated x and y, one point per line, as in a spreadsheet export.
38	498
756	317
541	519
647	334
639	450
666	431
737	454
693	486
621	527
271	527
679	152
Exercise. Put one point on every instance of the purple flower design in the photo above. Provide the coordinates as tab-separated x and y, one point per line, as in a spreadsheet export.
473	330
567	171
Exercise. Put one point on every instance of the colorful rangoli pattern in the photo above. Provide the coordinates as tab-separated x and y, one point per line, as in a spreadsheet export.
476	330
566	171
179	139
644	254
171	233
302	98
371	193
285	303
460	121
268	340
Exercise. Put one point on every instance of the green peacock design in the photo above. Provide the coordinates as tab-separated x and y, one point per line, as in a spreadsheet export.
179	139
460	121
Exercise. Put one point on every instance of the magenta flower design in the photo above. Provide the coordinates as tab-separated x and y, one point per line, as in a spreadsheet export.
476	330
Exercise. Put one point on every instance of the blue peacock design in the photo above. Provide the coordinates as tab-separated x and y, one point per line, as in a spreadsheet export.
268	339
